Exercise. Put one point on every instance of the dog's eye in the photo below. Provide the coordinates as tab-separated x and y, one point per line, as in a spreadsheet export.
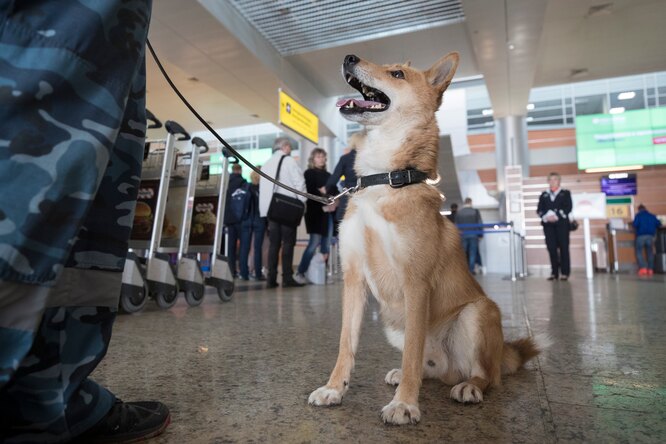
398	74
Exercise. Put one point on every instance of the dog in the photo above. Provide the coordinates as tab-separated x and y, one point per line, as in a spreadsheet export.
395	243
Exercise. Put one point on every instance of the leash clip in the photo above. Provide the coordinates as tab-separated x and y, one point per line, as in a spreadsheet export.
346	191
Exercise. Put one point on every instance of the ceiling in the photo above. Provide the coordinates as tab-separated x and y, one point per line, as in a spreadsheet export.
514	44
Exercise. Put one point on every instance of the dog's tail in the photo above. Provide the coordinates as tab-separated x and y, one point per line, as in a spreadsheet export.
518	352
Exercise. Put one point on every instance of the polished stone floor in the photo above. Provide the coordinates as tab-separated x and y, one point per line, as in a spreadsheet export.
241	371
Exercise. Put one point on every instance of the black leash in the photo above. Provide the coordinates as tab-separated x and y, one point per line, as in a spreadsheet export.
324	200
395	179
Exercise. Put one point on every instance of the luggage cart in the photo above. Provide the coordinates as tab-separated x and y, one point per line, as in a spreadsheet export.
152	273
207	229
190	276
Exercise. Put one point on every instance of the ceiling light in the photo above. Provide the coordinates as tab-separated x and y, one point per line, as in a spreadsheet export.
626	95
512	46
618	176
610	169
578	72
487	112
529	119
530	106
192	79
618	110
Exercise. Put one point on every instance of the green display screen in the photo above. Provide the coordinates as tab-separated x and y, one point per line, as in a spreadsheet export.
629	138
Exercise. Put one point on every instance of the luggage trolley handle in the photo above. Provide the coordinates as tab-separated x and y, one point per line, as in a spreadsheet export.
221	202
155	121
173	129
199	146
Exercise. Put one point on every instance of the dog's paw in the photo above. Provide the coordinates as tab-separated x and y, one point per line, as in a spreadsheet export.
466	392
393	377
400	413
325	396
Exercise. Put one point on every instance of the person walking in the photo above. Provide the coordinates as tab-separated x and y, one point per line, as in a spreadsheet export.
252	227
646	225
316	220
72	130
554	208
470	237
280	237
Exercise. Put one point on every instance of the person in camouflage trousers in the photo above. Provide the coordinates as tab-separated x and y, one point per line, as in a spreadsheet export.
72	129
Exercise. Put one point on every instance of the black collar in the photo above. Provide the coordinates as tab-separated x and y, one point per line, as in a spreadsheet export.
395	179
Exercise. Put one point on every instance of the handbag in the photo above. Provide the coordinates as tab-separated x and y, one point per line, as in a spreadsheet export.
573	225
285	210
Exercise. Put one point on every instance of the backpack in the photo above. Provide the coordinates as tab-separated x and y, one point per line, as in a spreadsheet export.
238	205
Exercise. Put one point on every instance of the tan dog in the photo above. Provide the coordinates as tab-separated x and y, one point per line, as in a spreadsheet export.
395	244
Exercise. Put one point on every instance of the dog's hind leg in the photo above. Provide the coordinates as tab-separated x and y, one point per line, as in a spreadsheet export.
403	409
477	344
353	303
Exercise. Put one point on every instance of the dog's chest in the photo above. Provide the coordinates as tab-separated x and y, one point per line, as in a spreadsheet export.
371	243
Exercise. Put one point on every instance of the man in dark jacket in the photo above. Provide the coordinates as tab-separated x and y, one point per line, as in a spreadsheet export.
646	225
553	209
470	235
231	220
344	168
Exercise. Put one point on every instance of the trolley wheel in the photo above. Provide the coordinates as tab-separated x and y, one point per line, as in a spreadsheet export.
225	294
194	298
166	300
132	302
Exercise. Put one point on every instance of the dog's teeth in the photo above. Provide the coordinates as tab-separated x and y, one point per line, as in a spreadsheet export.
365	89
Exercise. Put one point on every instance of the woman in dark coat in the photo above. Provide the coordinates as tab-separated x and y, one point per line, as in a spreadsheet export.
316	220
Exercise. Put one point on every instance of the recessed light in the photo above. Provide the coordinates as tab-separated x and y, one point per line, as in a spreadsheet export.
487	112
530	106
192	79
617	168
256	116
512	46
626	95
618	110
529	119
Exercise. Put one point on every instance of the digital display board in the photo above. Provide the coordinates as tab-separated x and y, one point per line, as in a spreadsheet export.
615	140
622	184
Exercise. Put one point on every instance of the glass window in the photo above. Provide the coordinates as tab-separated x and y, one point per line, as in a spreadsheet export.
590	104
630	99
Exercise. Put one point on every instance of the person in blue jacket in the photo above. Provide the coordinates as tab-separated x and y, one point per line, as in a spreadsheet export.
646	225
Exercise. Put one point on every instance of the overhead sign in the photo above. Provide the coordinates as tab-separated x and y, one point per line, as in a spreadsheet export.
298	118
589	205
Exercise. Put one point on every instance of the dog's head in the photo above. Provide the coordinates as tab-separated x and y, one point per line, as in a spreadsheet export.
394	91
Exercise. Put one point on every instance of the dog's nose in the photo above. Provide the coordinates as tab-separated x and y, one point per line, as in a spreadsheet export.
351	60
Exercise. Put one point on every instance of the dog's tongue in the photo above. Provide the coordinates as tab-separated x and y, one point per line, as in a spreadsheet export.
356	102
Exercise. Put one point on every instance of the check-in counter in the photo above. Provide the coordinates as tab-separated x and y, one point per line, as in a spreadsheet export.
621	249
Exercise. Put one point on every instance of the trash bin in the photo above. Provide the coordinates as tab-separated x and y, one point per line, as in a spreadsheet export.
599	254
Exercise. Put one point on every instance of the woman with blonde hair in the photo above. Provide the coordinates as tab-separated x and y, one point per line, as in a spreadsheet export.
253	225
316	220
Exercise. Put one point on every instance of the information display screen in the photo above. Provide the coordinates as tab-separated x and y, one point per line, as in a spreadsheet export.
616	140
619	184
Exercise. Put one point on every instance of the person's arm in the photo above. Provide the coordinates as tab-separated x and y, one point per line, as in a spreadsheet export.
541	210
296	178
567	205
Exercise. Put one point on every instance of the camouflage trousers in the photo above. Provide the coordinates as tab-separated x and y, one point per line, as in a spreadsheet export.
72	128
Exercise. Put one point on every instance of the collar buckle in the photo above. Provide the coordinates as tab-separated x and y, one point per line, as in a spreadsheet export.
399	182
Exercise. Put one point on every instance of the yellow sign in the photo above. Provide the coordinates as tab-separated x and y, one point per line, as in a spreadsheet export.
618	210
298	118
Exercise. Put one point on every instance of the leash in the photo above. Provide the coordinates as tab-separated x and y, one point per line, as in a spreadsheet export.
323	200
395	179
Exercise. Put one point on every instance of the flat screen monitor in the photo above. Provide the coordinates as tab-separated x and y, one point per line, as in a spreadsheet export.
616	140
619	184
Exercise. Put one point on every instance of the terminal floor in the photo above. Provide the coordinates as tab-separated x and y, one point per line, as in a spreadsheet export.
242	371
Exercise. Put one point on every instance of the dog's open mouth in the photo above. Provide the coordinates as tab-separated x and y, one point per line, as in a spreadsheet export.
375	100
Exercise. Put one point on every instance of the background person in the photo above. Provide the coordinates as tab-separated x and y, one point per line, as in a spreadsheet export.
316	221
344	169
253	226
234	212
553	209
72	124
470	237
280	237
452	215
646	225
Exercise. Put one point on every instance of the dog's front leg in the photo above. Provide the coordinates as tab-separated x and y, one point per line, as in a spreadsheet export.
404	408
353	303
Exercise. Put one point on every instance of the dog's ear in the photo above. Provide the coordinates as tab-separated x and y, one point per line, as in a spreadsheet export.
441	73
